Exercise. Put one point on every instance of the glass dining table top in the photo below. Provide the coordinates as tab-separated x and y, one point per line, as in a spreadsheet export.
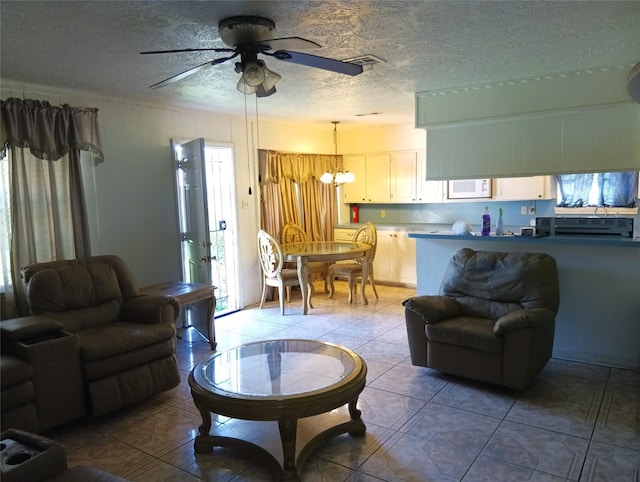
278	369
323	247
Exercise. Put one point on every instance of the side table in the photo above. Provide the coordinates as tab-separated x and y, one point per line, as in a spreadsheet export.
187	293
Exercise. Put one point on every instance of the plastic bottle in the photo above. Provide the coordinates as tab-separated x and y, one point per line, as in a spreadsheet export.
486	222
499	225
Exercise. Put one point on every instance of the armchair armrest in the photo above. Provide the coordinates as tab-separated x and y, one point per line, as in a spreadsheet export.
28	328
151	309
519	319
433	309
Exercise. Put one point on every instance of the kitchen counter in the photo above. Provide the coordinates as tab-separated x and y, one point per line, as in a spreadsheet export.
596	240
417	227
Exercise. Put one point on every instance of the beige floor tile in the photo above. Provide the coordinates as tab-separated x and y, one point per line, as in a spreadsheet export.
476	397
110	455
486	469
541	450
609	463
576	421
161	432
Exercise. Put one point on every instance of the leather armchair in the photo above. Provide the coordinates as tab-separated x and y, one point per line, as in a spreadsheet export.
127	341
41	374
17	406
493	321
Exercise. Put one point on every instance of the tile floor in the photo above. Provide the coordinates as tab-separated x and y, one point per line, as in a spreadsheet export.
578	422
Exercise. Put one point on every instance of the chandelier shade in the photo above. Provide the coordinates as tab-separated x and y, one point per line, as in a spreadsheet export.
338	175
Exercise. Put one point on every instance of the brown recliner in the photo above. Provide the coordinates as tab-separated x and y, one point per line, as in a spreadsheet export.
493	321
41	374
17	404
127	341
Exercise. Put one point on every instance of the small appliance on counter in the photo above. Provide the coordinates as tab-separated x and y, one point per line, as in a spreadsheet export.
584	226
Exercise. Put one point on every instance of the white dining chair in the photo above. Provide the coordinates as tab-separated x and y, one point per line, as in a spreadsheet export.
293	233
275	275
352	271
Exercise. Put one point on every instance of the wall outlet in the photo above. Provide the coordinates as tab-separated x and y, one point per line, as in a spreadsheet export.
532	210
383	214
523	210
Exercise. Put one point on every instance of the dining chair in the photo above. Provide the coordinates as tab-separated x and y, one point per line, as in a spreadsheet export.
352	271
275	275
293	233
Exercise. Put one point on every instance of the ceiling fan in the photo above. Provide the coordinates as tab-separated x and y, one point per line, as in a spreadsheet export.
248	36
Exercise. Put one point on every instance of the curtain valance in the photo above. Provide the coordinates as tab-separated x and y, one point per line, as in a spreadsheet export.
299	167
50	132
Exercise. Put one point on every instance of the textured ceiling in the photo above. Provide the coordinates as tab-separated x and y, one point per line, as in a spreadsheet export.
427	45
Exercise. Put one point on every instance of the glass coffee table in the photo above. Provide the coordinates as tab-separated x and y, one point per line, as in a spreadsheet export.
281	396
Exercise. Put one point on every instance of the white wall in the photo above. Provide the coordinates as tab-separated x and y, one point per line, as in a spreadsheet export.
371	139
135	208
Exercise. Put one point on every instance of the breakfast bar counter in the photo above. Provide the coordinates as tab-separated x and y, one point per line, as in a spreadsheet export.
599	316
615	241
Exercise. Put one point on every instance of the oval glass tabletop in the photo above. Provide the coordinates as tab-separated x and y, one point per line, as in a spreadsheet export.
278	369
323	248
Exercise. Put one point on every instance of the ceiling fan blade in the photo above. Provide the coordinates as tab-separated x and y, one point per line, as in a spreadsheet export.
191	71
333	65
186	50
288	43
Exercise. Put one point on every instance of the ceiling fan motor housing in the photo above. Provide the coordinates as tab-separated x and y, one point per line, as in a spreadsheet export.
245	30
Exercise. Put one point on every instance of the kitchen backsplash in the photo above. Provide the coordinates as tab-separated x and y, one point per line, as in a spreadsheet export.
450	212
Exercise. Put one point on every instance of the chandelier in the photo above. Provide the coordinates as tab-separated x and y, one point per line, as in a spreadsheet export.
338	175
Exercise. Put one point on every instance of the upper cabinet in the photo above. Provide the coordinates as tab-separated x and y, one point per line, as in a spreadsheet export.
372	179
524	188
551	124
407	179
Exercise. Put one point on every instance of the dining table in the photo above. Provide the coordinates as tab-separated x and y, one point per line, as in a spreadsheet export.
327	252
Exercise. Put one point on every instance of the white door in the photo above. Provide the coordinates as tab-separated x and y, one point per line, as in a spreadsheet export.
207	218
193	217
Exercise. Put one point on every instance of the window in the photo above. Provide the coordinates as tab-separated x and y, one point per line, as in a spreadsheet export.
608	189
5	224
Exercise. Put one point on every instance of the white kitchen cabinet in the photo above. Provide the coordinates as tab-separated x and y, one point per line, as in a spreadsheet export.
403	177
524	188
383	262
395	260
407	179
428	191
344	234
371	183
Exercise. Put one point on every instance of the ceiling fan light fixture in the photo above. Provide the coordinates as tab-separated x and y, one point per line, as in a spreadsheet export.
261	92
270	78
253	73
244	88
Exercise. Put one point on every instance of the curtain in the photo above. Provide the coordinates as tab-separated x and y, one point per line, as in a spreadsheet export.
291	192
47	210
617	189
610	189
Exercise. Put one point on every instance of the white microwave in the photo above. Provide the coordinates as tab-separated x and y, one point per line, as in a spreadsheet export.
469	188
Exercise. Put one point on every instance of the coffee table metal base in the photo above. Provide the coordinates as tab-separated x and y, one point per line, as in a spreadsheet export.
284	445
